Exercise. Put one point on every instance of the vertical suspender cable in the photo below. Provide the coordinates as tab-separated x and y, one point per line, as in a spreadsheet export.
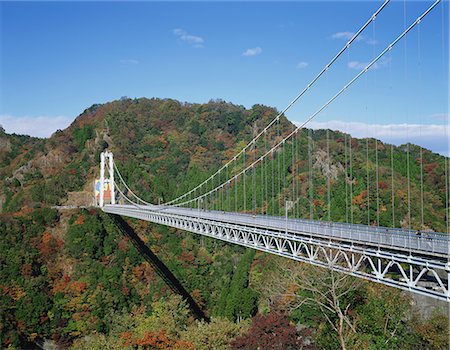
367	161
377	181
327	66
263	180
392	146
407	122
228	192
447	109
283	174
272	166
311	211
367	180
392	186
346	177
329	176
279	173
266	188
218	193
351	82
254	181
366	114
207	198
419	62
235	185
376	140
297	162
245	190
351	178
350	161
294	172
213	194
327	81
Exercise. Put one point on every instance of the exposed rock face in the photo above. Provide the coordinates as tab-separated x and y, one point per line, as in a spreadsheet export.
83	198
100	137
50	163
47	164
426	305
328	169
2	201
5	145
20	172
80	198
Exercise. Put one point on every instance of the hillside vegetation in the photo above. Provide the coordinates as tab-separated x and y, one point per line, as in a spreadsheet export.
69	276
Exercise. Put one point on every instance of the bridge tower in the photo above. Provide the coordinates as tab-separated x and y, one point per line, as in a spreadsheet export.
106	159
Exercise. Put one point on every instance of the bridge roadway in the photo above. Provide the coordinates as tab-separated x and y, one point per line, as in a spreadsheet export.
394	257
420	243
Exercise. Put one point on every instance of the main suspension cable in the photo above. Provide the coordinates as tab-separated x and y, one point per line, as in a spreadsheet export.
308	87
331	100
128	189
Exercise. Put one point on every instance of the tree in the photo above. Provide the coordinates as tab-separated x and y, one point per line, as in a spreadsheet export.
382	319
217	334
156	341
434	333
240	299
170	314
271	331
293	286
81	135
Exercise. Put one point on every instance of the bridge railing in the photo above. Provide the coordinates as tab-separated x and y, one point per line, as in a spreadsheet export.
388	238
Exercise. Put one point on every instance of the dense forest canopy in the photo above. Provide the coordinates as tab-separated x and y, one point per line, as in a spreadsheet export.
71	277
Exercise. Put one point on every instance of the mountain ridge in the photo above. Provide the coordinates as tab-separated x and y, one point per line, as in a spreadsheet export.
70	274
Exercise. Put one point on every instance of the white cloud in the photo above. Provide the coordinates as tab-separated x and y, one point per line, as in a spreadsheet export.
42	126
383	62
193	40
346	36
252	52
360	65
301	65
431	136
371	42
129	61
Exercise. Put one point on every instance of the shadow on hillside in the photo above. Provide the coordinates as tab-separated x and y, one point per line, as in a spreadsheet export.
159	266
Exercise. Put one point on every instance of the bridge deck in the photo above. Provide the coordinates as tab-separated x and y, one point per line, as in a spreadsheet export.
423	243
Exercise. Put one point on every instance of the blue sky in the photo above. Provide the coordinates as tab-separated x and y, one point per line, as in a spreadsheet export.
58	58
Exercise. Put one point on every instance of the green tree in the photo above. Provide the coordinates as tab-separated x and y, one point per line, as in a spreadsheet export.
241	300
217	334
433	333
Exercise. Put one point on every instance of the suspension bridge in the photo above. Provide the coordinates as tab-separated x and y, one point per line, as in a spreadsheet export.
260	199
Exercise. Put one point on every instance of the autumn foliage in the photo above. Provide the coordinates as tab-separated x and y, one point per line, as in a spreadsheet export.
70	275
155	341
271	331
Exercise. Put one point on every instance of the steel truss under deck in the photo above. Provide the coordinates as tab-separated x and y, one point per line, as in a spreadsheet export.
418	274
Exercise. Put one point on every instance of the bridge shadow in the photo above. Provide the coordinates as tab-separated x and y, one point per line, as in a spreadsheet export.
161	269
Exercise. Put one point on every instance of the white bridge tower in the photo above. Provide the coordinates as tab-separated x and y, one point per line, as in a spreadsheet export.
106	158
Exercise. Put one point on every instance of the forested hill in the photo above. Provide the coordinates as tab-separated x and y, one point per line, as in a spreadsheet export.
72	278
159	144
